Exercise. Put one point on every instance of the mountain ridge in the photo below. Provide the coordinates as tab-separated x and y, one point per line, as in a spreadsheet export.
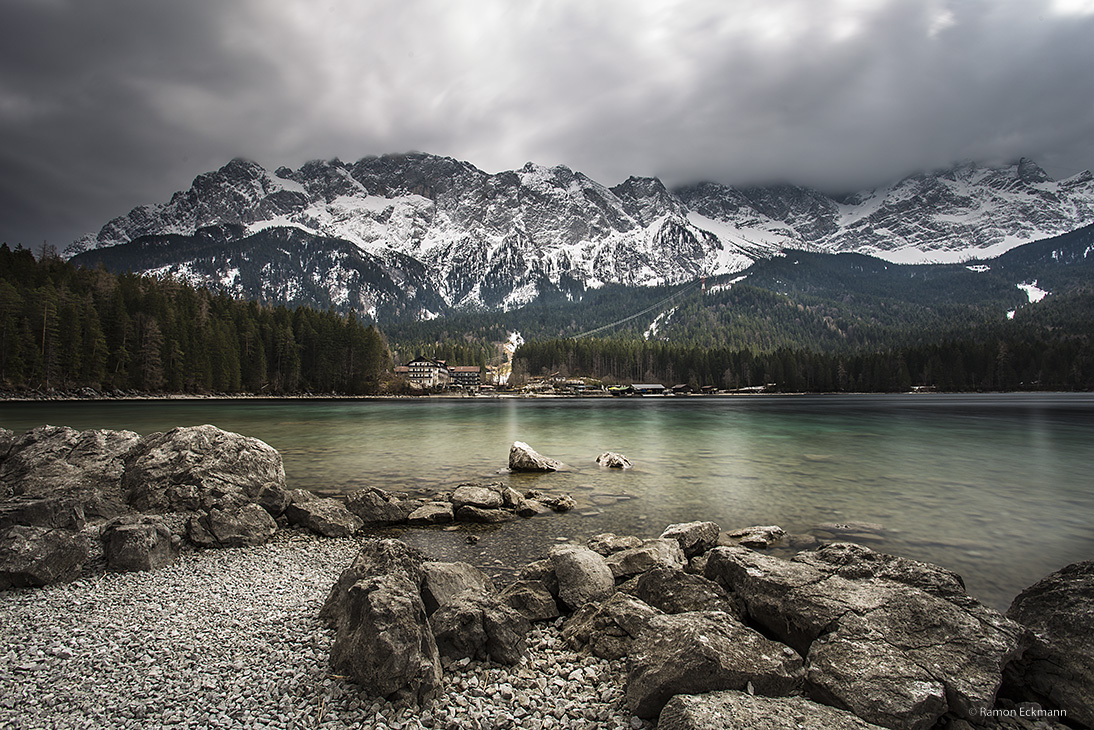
422	234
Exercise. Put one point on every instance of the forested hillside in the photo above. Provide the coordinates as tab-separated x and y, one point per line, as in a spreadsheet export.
65	328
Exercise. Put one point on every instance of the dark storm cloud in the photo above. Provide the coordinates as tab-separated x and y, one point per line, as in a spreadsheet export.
109	104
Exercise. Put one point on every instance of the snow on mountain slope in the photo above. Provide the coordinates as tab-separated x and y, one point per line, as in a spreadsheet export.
502	240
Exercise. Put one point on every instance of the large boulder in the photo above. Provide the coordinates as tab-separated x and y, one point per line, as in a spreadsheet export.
138	542
442	582
375	557
231	526
608	629
38	556
384	642
1058	669
192	468
674	591
324	516
889	651
695	538
583	576
692	653
478	625
857	562
733	710
55	511
376	507
57	461
657	553
523	457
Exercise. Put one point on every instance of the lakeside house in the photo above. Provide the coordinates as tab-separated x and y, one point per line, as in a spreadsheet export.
437	375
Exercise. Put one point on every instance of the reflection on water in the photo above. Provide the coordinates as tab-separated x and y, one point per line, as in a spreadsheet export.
993	486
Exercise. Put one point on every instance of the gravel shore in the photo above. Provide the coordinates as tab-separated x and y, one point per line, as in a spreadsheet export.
232	639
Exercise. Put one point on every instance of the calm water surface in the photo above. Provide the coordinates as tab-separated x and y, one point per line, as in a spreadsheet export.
996	487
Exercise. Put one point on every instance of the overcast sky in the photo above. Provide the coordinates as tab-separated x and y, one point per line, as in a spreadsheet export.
109	104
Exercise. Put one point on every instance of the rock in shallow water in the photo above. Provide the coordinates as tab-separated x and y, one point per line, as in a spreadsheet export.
523	457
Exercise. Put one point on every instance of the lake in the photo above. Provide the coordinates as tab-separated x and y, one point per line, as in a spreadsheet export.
995	486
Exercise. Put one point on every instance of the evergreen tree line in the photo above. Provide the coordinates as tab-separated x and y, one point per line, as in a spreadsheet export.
1065	363
67	328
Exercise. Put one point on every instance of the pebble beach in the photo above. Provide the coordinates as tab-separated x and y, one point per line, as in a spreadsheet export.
231	639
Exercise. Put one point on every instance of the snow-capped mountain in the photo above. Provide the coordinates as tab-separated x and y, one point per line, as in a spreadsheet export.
415	234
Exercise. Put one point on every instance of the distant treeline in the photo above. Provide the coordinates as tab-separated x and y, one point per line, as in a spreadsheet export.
998	364
65	328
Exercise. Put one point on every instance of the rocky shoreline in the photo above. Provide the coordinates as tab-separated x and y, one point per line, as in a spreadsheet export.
186	586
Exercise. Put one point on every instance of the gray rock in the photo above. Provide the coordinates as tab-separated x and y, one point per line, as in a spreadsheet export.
607	543
692	653
1058	669
674	591
523	457
558	503
56	511
376	557
511	498
695	538
658	553
273	498
733	710
478	625
757	536
612	460
324	516
376	507
583	576
442	582
856	562
384	642
530	508
139	542
542	571
890	652
484	497
192	468
432	513
39	556
468	513
7	438
608	629
531	599
299	496
231	526
60	462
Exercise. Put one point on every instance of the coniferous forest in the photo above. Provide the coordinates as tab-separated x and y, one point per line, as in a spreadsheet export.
64	328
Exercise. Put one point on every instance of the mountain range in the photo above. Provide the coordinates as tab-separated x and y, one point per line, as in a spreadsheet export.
416	236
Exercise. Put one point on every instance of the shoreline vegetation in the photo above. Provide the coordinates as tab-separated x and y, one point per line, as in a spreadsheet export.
68	330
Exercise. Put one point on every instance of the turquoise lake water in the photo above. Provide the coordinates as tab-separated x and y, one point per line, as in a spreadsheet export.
997	487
